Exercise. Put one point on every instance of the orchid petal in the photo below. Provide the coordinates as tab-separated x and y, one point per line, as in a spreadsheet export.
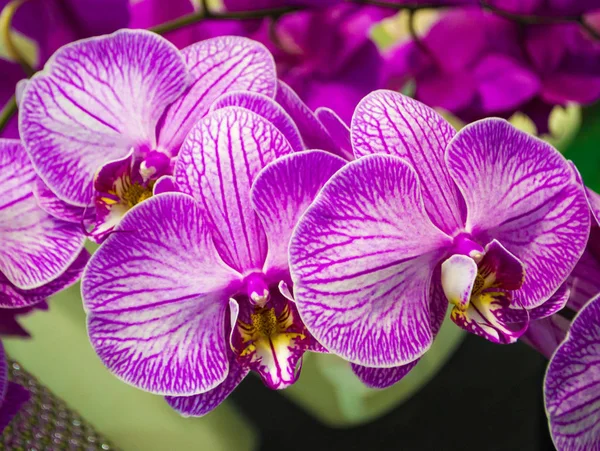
165	184
51	204
382	377
572	386
267	108
521	191
12	297
338	130
218	162
390	123
15	397
200	405
313	133
362	258
95	100
156	292
282	192
584	281
36	247
216	65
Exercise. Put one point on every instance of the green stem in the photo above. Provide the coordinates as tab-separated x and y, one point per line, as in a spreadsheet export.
199	16
6	114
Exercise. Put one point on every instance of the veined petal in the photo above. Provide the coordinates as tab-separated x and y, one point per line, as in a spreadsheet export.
520	191
572	386
51	204
390	123
282	192
382	377
362	258
217	165
267	108
200	405
165	184
156	294
12	297
313	133
594	201
217	66
338	131
95	100
36	247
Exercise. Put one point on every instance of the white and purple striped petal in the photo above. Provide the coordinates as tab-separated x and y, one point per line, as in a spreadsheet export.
157	293
572	384
521	192
267	108
216	66
280	195
36	247
362	258
95	100
200	405
390	123
51	204
217	165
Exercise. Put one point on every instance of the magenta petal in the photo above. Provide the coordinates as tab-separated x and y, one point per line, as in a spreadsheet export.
572	386
36	247
338	130
217	66
156	294
217	165
522	192
200	405
390	123
545	334
267	108
584	281
12	297
362	258
93	102
503	84
51	204
313	133
382	377
280	195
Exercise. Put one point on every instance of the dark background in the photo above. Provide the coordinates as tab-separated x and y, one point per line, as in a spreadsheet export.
487	397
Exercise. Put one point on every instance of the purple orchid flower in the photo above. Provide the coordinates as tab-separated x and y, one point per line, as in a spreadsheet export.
193	289
12	395
489	218
564	8
40	254
106	117
571	385
476	64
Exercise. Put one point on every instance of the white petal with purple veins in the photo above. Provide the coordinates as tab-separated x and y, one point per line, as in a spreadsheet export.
217	165
156	293
36	247
390	123
217	66
282	192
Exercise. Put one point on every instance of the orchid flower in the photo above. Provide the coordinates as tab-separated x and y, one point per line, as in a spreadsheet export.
571	386
193	289
106	117
489	218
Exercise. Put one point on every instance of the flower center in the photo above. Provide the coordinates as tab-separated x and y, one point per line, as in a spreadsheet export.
134	193
265	324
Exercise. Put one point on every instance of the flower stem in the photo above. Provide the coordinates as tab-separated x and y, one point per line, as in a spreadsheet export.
199	16
6	114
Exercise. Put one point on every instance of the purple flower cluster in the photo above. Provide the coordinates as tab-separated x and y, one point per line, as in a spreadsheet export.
240	227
